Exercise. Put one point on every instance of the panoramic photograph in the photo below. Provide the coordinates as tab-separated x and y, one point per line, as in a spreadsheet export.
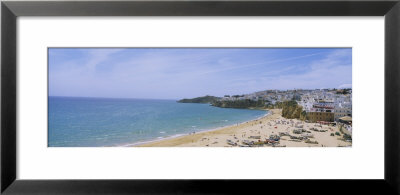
199	97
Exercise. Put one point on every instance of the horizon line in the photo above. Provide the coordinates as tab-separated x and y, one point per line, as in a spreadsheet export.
184	97
110	97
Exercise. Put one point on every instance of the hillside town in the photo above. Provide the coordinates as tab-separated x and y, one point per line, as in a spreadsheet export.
326	106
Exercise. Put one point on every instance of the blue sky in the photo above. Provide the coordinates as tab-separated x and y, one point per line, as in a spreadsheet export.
174	73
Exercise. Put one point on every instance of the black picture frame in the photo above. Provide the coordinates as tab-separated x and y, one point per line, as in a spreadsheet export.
11	10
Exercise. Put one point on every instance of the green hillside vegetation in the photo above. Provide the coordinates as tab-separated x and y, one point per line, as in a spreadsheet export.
290	110
246	103
203	100
343	91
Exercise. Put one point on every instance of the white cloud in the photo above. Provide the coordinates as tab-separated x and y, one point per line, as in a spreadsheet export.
175	74
96	56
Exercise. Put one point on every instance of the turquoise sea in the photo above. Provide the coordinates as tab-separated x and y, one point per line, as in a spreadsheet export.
93	122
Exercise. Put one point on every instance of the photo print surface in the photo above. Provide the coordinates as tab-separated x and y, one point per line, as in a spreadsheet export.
199	97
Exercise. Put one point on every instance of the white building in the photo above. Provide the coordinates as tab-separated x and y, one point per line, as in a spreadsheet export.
342	111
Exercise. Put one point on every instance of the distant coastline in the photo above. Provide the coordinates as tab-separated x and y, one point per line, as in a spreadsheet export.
219	102
202	100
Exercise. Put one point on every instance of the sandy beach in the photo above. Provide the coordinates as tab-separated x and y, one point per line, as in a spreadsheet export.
256	132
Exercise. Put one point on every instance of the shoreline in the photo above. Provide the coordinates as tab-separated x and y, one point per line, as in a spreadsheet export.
142	143
152	142
256	131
